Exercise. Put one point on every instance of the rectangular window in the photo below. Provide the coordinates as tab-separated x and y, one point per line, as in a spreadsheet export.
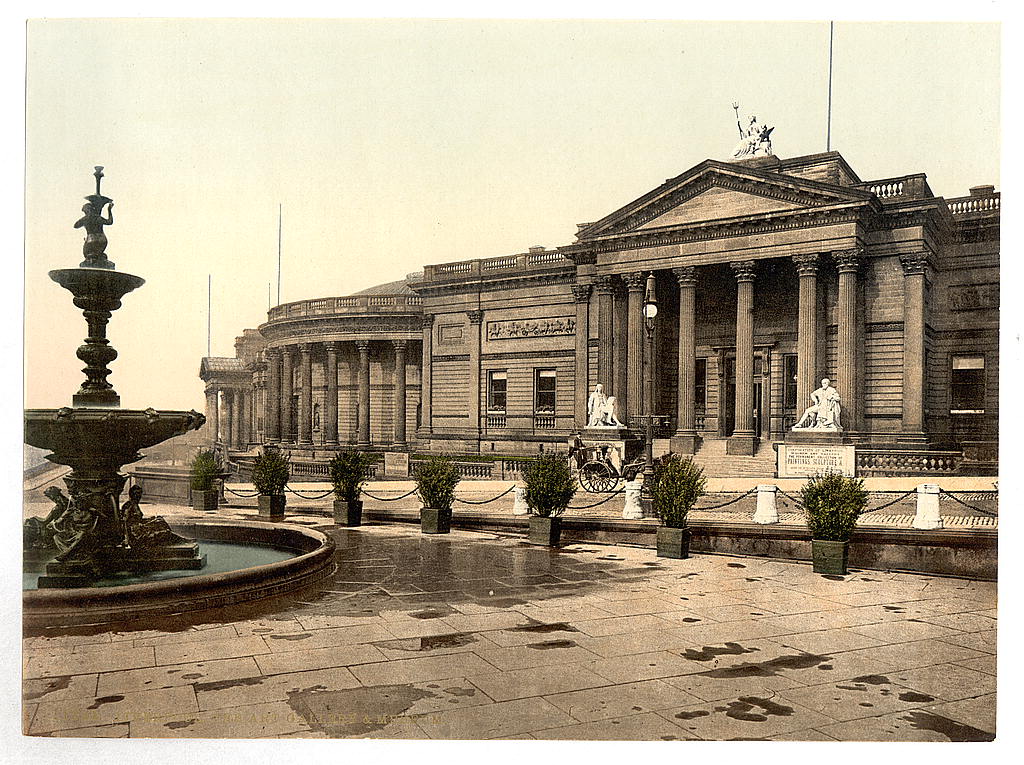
497	391
789	381
967	385
700	385
544	391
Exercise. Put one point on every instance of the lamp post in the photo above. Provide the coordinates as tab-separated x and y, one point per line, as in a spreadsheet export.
650	310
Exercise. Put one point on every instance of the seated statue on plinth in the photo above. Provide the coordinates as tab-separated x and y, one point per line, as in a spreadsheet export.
142	532
824	411
601	410
38	532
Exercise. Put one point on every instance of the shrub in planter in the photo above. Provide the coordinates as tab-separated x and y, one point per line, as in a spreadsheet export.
270	474
436	480
550	487
832	503
203	474
349	471
678	483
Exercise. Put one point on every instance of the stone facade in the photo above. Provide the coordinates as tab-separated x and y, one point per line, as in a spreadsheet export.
770	274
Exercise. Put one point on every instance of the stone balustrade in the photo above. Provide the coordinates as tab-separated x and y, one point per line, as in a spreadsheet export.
347	306
536	258
896	462
974	204
902	187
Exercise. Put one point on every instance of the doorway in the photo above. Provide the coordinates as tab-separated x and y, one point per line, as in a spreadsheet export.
727	422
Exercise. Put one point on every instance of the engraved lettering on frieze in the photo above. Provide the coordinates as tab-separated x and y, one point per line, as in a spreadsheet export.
971	297
519	328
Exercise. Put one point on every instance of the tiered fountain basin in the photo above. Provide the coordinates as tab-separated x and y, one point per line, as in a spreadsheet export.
305	557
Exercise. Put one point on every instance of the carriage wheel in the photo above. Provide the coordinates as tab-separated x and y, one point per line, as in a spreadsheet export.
597	478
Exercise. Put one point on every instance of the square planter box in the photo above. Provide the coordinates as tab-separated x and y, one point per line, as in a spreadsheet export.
272	506
544	530
205	500
348	513
829	557
673	543
434	521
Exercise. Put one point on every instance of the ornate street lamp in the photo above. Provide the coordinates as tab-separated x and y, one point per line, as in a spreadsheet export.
650	310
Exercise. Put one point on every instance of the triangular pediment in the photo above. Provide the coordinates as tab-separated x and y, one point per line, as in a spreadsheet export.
718	191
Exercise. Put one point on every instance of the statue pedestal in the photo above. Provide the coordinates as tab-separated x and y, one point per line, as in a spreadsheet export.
621	445
807	453
178	557
809	436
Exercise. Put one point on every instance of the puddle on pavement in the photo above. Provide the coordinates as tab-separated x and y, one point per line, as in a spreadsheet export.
767	668
707	653
549	644
743	709
105	700
951	729
220	685
536	626
54	684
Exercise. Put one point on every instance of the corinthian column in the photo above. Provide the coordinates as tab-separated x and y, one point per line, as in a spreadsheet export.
685	439
272	397
743	439
212	414
331	396
305	394
581	294
807	329
847	342
287	381
399	408
915	275
425	371
635	283
605	286
230	424
363	439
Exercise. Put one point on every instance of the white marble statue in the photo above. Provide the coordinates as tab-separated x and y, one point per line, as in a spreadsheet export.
611	417
755	140
824	411
595	406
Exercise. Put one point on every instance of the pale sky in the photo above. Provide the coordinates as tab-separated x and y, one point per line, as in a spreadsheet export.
393	144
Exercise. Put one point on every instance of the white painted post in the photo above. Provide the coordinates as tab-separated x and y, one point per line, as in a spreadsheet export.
519	507
632	511
927	516
766	511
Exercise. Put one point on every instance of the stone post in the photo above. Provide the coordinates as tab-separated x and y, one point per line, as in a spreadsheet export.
306	394
743	439
287	383
330	422
475	320
212	414
915	274
519	506
766	511
399	407
363	439
631	510
426	372
807	330
272	398
605	286
847	340
581	377
685	439
635	283
927	516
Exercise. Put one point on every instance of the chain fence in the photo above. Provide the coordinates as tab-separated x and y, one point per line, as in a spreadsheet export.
599	502
485	501
732	501
976	509
387	499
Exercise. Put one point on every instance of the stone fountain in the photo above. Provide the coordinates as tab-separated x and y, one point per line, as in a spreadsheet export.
89	533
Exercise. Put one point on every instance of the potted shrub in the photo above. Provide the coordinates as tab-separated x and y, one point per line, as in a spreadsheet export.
677	485
349	471
270	473
550	487
832	503
203	474
436	480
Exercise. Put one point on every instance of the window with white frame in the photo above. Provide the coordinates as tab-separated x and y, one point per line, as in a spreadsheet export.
967	385
544	391
497	391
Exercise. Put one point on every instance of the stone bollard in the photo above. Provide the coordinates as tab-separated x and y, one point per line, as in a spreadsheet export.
632	511
519	507
927	516
767	511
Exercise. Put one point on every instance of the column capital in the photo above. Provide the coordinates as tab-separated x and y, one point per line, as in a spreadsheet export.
581	292
428	320
848	261
332	346
806	263
286	351
606	284
915	263
686	275
363	346
305	348
475	317
400	345
635	281
743	270
272	352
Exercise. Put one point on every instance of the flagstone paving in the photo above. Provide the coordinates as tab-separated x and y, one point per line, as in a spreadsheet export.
474	635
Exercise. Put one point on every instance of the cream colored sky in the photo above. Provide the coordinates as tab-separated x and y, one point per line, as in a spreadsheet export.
392	144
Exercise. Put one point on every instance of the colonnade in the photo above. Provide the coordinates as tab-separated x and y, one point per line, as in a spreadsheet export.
229	410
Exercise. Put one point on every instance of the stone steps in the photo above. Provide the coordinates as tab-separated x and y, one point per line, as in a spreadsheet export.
717	464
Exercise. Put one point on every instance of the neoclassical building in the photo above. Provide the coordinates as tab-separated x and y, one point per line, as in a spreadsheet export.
770	274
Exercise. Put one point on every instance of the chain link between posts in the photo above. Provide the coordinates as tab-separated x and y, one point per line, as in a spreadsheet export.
987	513
727	502
900	498
599	502
387	499
486	501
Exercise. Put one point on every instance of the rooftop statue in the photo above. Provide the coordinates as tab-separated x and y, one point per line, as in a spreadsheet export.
755	140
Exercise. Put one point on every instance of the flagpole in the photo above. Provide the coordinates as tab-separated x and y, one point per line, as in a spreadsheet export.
279	253
828	134
209	309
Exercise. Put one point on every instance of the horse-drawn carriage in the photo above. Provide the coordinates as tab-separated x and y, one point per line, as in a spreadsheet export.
600	467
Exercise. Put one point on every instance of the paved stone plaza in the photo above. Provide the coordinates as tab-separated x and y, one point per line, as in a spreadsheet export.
476	636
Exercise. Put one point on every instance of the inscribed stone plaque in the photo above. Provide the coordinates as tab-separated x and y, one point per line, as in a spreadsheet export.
805	460
396	464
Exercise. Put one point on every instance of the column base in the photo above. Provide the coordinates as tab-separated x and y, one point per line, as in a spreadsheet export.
741	444
684	443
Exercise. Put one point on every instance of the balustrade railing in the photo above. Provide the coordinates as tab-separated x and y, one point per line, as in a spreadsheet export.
887	189
346	305
497	421
544	421
906	462
964	205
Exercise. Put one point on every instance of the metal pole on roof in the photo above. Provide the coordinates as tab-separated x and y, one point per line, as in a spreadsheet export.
209	309
279	253
828	134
